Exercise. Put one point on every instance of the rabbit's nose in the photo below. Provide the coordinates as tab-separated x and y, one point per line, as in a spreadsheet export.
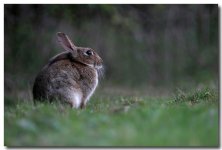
100	60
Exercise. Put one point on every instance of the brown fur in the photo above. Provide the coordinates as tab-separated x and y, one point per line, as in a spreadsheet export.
67	77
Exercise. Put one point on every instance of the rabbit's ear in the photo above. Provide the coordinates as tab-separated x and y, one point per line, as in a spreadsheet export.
66	42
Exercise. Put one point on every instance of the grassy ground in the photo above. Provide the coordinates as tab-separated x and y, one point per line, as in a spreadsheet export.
189	118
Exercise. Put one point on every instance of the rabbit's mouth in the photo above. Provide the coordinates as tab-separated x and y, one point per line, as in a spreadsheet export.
100	70
98	67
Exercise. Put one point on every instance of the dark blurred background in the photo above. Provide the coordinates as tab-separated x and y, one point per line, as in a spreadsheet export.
141	45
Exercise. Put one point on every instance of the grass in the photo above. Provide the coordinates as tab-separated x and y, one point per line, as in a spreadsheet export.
190	118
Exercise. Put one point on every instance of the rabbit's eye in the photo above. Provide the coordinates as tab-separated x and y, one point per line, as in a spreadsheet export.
89	53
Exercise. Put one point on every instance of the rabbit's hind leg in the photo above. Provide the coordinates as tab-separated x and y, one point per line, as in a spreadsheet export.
70	96
75	99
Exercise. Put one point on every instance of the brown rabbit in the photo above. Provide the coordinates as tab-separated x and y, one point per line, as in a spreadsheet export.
71	76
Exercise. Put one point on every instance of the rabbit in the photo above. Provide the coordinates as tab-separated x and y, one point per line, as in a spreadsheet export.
71	76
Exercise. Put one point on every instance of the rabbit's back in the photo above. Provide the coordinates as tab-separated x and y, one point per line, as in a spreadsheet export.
65	79
54	77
